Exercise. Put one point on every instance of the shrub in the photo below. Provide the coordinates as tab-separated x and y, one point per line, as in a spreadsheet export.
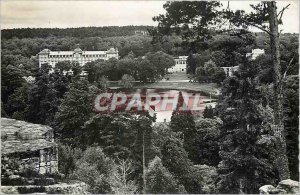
126	81
44	181
9	166
29	173
95	169
31	189
56	176
103	82
67	158
5	181
160	180
219	76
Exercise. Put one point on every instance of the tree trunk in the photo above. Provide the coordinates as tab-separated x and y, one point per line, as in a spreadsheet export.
241	182
281	158
144	166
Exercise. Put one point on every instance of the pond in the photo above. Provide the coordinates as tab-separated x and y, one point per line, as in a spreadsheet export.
202	102
162	102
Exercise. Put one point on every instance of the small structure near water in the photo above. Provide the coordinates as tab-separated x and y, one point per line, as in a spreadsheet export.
230	70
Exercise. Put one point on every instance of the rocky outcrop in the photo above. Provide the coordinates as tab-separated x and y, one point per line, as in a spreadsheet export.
64	188
9	190
287	186
60	188
291	186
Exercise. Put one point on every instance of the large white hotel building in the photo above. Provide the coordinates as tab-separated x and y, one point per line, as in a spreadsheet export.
82	57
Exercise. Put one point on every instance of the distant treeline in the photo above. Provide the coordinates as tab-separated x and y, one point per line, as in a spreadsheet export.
107	31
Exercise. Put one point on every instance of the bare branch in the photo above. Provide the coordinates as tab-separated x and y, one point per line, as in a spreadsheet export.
255	25
284	74
287	68
281	12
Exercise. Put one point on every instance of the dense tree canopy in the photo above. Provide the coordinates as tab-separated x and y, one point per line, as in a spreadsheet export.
107	31
125	152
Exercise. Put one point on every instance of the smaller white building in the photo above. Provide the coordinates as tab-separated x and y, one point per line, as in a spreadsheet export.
255	53
230	70
141	32
180	64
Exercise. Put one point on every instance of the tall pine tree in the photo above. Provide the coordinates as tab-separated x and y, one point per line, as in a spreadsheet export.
76	108
247	139
34	111
182	121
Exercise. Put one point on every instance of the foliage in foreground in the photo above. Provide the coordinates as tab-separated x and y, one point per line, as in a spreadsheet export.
160	180
175	159
247	139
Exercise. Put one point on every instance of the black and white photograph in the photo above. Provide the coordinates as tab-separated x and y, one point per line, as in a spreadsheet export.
149	97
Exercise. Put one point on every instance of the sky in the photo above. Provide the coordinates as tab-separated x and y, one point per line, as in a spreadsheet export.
63	14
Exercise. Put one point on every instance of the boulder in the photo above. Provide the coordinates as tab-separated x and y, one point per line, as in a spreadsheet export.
60	188
290	186
14	177
287	186
9	190
266	189
64	188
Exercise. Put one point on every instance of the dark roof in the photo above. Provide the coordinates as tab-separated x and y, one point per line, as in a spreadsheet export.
20	136
9	147
77	50
45	51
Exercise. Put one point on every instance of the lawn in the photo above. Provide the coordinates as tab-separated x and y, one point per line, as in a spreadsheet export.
178	81
206	88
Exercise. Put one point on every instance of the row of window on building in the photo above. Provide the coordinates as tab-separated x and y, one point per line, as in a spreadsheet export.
85	56
67	59
180	61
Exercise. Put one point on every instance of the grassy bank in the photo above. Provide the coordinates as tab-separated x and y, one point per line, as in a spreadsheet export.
205	88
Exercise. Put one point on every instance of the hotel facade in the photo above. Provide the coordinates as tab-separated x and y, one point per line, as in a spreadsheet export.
82	57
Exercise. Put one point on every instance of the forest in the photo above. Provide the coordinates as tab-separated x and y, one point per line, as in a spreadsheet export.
106	31
232	148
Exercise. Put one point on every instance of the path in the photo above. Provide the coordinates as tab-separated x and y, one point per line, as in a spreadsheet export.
178	77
